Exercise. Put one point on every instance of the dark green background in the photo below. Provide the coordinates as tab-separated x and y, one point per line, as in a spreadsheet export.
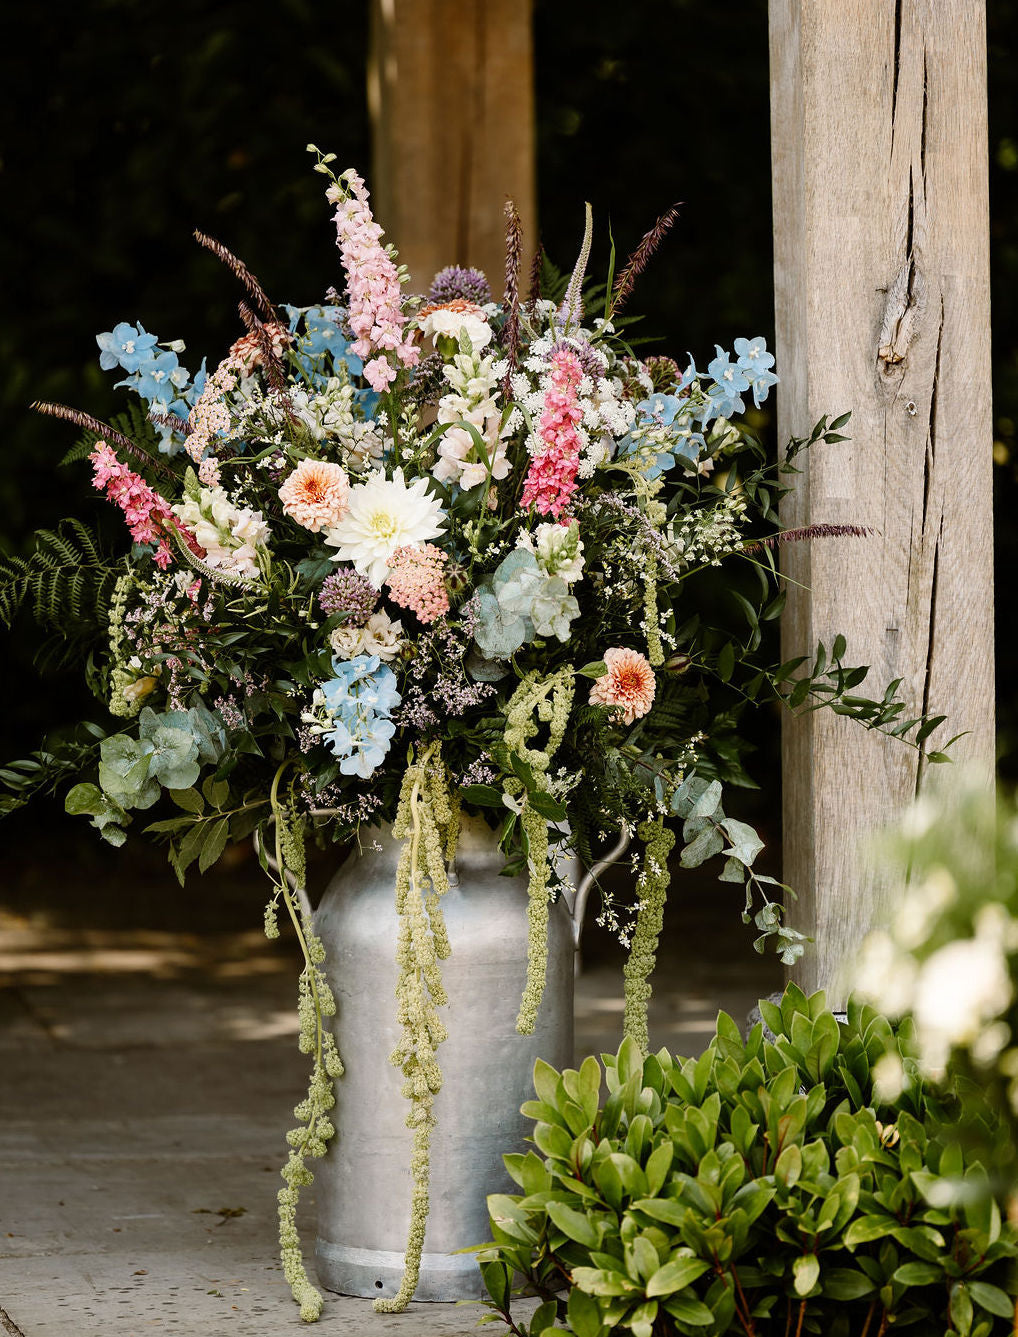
126	125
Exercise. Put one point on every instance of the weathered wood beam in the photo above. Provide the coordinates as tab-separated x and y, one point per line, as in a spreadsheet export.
881	263
451	95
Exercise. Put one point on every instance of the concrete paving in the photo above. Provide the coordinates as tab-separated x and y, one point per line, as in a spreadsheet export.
146	1081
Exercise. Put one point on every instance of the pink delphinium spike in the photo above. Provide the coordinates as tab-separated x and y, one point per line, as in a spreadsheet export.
372	281
551	480
149	518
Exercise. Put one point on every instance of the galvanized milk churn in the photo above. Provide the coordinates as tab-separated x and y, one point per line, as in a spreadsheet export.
363	1187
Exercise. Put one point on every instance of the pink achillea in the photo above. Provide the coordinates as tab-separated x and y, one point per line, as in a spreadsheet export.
149	518
372	283
551	480
629	684
316	494
209	417
416	580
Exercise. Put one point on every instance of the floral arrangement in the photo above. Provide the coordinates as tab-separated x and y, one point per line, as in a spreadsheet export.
402	555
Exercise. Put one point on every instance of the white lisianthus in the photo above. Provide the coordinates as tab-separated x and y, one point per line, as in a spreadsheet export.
385	514
380	636
456	318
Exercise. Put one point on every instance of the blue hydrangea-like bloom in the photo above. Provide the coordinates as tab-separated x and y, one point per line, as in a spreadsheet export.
125	346
361	697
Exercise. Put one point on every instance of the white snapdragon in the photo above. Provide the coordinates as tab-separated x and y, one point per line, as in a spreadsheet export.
471	399
233	536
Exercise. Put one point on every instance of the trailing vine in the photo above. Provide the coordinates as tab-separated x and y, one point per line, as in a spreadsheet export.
536	701
652	891
427	820
315	1002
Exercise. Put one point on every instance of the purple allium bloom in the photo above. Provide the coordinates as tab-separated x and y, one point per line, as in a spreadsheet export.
345	591
456	282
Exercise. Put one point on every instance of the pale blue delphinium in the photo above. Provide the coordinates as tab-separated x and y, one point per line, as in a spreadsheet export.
125	346
154	378
756	362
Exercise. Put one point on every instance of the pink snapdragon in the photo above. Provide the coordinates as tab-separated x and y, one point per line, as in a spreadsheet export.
372	282
148	517
551	480
416	580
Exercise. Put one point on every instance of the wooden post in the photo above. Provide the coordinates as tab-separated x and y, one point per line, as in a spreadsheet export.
451	94
879	142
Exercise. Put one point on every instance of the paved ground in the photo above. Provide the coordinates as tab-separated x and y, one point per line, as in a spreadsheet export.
146	1080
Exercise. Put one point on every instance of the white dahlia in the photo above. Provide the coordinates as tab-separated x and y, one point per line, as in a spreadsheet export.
384	514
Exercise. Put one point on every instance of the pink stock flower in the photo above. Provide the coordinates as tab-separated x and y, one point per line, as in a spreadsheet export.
316	494
372	281
629	684
416	580
551	479
149	518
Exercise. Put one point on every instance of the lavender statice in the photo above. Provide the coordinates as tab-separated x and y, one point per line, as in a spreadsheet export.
348	593
455	282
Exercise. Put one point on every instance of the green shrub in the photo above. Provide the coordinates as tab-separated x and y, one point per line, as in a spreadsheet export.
756	1190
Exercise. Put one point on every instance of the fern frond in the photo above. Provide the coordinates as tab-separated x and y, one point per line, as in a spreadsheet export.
67	581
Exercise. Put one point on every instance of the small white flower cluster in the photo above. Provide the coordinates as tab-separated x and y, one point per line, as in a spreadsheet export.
234	537
606	414
957	994
705	537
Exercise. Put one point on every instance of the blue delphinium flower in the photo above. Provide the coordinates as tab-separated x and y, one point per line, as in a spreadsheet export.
125	346
756	362
158	376
360	699
663	431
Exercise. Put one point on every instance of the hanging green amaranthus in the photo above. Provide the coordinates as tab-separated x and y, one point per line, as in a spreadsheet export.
652	891
427	820
536	701
315	1002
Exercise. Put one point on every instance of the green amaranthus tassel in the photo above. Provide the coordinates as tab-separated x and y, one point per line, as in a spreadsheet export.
655	650
535	702
428	822
652	889
315	1002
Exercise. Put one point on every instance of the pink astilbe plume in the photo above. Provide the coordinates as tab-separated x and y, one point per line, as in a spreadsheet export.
551	480
149	518
416	580
372	284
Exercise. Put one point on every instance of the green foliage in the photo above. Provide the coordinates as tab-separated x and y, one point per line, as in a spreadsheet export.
762	1188
67	581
